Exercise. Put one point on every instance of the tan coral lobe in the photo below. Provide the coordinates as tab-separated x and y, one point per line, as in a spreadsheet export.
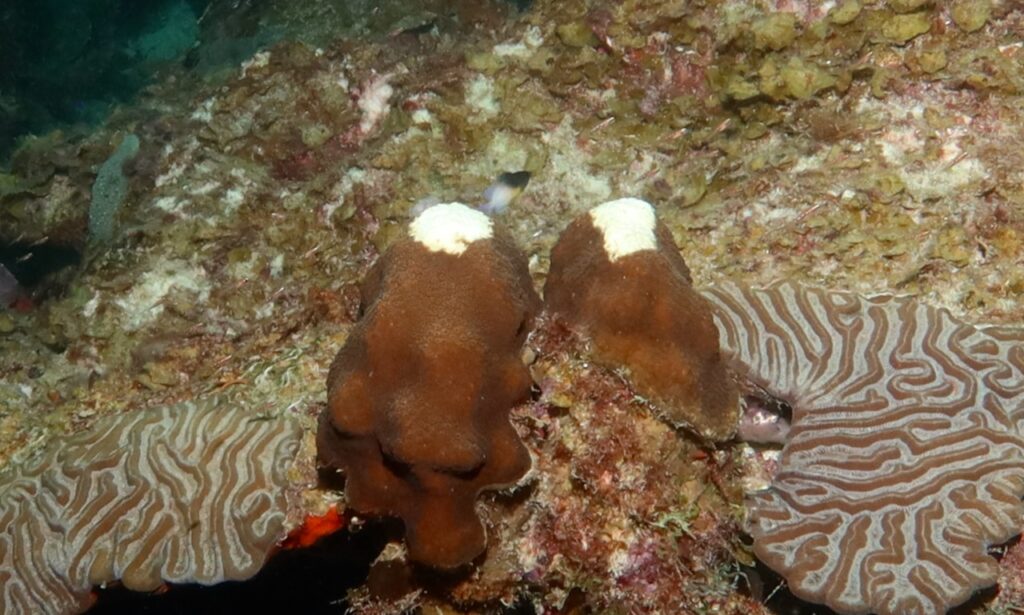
198	492
419	396
904	463
617	277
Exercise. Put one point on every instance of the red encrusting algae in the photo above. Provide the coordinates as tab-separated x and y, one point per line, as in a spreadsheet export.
314	528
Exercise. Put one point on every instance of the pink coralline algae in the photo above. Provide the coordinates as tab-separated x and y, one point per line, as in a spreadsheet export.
904	462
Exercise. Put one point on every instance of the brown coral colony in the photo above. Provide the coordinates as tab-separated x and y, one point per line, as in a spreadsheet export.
419	396
617	277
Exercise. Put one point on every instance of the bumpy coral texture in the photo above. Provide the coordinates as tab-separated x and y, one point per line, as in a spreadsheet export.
419	396
904	461
642	313
192	493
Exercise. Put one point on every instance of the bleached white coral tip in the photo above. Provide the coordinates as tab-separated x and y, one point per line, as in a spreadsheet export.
627	226
450	228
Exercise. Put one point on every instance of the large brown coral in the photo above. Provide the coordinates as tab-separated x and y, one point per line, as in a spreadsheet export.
419	396
617	276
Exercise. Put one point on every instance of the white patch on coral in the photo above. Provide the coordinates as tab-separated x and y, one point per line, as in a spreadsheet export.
942	180
812	162
627	226
204	188
277	266
480	96
260	60
243	270
421	116
374	102
172	174
205	111
568	172
144	303
265	311
342	189
177	168
90	307
898	142
532	39
450	228
619	562
169	204
768	208
506	150
233	199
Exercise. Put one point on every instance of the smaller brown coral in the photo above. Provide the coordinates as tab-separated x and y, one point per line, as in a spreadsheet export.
617	275
419	396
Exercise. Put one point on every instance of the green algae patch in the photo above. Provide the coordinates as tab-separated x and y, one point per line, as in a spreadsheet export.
576	34
901	29
845	12
775	32
971	15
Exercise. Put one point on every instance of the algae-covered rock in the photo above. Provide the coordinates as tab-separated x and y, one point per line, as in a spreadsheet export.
776	31
971	15
903	28
576	34
804	79
906	6
845	12
315	135
738	88
485	62
932	61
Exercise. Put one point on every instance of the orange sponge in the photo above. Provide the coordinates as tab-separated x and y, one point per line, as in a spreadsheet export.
419	396
617	277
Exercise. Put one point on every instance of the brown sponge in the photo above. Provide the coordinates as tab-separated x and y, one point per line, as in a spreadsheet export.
617	277
419	396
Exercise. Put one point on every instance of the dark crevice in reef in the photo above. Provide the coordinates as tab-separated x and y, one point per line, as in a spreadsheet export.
30	264
40	269
309	581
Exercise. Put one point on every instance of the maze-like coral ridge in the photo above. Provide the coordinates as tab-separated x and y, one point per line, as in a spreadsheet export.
904	462
185	493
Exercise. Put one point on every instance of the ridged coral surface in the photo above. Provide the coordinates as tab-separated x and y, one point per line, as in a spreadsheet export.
195	492
904	462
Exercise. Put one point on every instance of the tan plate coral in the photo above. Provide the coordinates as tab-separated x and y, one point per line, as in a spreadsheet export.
190	493
904	462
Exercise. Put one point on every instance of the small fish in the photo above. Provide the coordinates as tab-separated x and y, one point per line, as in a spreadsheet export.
503	191
497	197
